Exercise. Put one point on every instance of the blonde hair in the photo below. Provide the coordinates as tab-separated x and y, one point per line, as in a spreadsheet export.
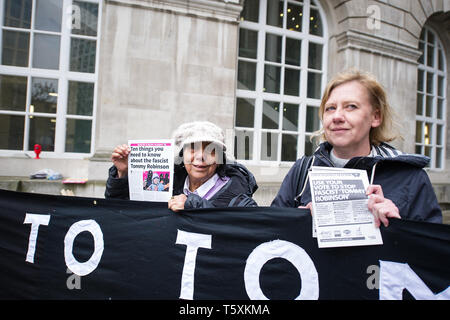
385	132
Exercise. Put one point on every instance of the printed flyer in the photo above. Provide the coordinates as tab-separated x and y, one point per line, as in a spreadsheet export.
150	170
341	216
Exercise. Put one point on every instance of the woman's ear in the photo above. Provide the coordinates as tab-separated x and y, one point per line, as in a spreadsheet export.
377	119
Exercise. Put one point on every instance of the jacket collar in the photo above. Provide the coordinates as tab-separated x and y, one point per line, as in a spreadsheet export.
383	153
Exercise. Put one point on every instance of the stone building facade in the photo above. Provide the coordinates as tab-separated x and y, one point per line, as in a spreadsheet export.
159	63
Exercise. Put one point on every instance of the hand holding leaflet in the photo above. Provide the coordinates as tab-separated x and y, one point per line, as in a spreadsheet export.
119	158
150	170
341	215
381	207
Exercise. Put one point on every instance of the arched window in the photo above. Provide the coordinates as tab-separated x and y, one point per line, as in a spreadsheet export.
431	99
281	72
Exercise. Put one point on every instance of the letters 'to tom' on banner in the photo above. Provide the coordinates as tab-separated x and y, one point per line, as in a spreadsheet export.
54	247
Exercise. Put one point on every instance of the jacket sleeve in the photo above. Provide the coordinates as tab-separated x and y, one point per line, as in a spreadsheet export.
422	201
116	187
194	201
288	188
243	200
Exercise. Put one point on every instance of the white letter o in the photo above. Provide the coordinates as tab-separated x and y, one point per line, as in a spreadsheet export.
83	268
286	250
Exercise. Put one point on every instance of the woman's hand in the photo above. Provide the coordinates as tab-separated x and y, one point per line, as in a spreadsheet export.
119	158
381	208
308	206
176	203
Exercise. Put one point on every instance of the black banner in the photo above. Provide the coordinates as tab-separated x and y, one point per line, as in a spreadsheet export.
54	247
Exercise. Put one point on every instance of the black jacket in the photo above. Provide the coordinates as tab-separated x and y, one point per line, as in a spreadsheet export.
400	175
237	192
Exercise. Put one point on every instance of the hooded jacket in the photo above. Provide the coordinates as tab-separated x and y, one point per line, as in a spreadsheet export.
237	192
400	175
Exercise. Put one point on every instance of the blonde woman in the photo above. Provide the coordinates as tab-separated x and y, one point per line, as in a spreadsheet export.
356	126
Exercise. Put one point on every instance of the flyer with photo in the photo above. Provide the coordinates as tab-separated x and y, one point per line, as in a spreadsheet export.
341	216
150	170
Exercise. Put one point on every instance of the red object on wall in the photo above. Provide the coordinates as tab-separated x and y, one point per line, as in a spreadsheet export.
37	150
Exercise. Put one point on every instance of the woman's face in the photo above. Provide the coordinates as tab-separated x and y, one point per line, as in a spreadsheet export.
347	119
199	161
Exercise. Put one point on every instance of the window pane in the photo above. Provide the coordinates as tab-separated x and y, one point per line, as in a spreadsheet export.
429	106
440	108
428	154
315	23
269	146
440	86
292	82
11	132
245	112
294	17
438	158
44	95
430	56
248	43
430	37
293	50
420	82
290	117
18	13
419	133
428	139
270	115
312	119
246	75
275	13
13	93
315	56
46	51
430	86
314	83
78	135
289	147
419	109
441	59
42	131
272	78
424	153
310	147
273	48
250	11
81	98
82	55
243	145
15	48
439	135
418	150
85	18
48	15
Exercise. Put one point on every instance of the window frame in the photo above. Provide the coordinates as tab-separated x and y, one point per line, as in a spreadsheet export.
63	75
259	96
433	119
